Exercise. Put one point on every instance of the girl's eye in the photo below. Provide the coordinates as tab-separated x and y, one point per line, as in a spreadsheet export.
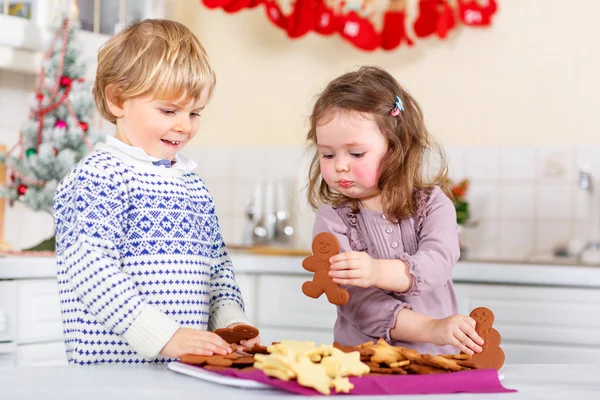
168	112
195	115
357	155
327	156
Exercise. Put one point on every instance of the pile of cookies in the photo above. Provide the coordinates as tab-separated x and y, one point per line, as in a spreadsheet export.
328	367
384	359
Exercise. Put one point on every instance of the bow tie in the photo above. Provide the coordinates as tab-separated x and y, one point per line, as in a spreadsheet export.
163	163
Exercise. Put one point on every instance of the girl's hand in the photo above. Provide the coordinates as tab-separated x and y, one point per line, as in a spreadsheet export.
354	268
458	331
193	341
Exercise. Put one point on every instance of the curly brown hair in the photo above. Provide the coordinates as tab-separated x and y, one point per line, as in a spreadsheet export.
372	91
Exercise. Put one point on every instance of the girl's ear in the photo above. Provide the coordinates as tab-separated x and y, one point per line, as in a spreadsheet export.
113	100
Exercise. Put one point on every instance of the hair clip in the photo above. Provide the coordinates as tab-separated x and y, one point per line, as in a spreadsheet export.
399	107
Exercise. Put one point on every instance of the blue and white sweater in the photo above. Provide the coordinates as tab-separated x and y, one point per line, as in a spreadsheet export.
139	254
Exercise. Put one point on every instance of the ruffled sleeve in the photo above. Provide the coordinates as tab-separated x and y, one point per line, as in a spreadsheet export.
438	249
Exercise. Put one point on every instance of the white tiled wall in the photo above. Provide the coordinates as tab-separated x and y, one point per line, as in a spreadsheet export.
523	199
526	200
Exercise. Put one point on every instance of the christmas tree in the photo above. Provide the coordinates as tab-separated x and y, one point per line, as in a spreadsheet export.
58	132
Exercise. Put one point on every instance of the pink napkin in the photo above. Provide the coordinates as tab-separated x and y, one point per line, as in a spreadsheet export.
474	381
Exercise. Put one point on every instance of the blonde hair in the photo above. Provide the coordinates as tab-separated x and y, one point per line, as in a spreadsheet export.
372	91
154	57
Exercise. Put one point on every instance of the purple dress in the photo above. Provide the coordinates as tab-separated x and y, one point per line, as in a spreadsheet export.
427	242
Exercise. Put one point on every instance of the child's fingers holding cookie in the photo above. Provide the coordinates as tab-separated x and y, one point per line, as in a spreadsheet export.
465	343
346	260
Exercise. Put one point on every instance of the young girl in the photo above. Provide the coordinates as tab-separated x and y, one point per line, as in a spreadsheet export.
397	229
142	269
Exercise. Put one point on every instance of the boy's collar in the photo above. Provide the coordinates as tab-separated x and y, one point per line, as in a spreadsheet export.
181	162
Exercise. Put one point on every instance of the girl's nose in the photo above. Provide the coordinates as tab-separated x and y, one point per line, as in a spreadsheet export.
341	165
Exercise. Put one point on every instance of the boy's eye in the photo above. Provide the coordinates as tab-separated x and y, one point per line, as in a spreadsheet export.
357	155
195	115
327	155
168	112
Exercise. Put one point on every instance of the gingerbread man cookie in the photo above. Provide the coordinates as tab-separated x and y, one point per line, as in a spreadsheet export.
324	246
237	333
492	355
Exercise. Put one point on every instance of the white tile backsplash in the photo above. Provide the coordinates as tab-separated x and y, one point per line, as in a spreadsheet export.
549	233
482	163
484	202
556	164
516	201
555	201
517	164
523	199
515	239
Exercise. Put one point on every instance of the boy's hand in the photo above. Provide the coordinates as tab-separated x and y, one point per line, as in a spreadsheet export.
458	331
247	343
354	268
193	341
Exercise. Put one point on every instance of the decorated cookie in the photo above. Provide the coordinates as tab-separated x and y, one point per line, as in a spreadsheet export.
237	333
324	246
492	355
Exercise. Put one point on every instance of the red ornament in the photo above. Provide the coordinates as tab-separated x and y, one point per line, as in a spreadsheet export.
303	18
394	29
446	21
327	21
21	189
217	3
359	31
12	177
84	126
39	96
60	124
55	151
275	15
426	22
238	5
473	14
65	81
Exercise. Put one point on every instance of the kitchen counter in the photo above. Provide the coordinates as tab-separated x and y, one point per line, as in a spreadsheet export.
139	382
505	272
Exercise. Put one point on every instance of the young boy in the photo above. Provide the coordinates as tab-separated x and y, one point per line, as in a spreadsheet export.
143	271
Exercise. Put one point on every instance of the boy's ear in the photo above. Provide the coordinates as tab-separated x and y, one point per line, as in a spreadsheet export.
113	100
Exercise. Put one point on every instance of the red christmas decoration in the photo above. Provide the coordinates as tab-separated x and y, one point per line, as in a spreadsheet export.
21	189
303	18
55	151
84	126
445	20
65	81
39	96
238	5
394	29
275	15
359	31
327	22
218	3
60	124
326	18
426	22
477	12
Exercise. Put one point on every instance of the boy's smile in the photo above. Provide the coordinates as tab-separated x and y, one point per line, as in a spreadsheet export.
161	128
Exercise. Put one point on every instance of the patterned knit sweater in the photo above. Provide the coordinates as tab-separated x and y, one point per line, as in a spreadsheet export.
139	254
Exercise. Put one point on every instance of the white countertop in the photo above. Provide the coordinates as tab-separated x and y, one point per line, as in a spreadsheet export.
464	271
130	383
